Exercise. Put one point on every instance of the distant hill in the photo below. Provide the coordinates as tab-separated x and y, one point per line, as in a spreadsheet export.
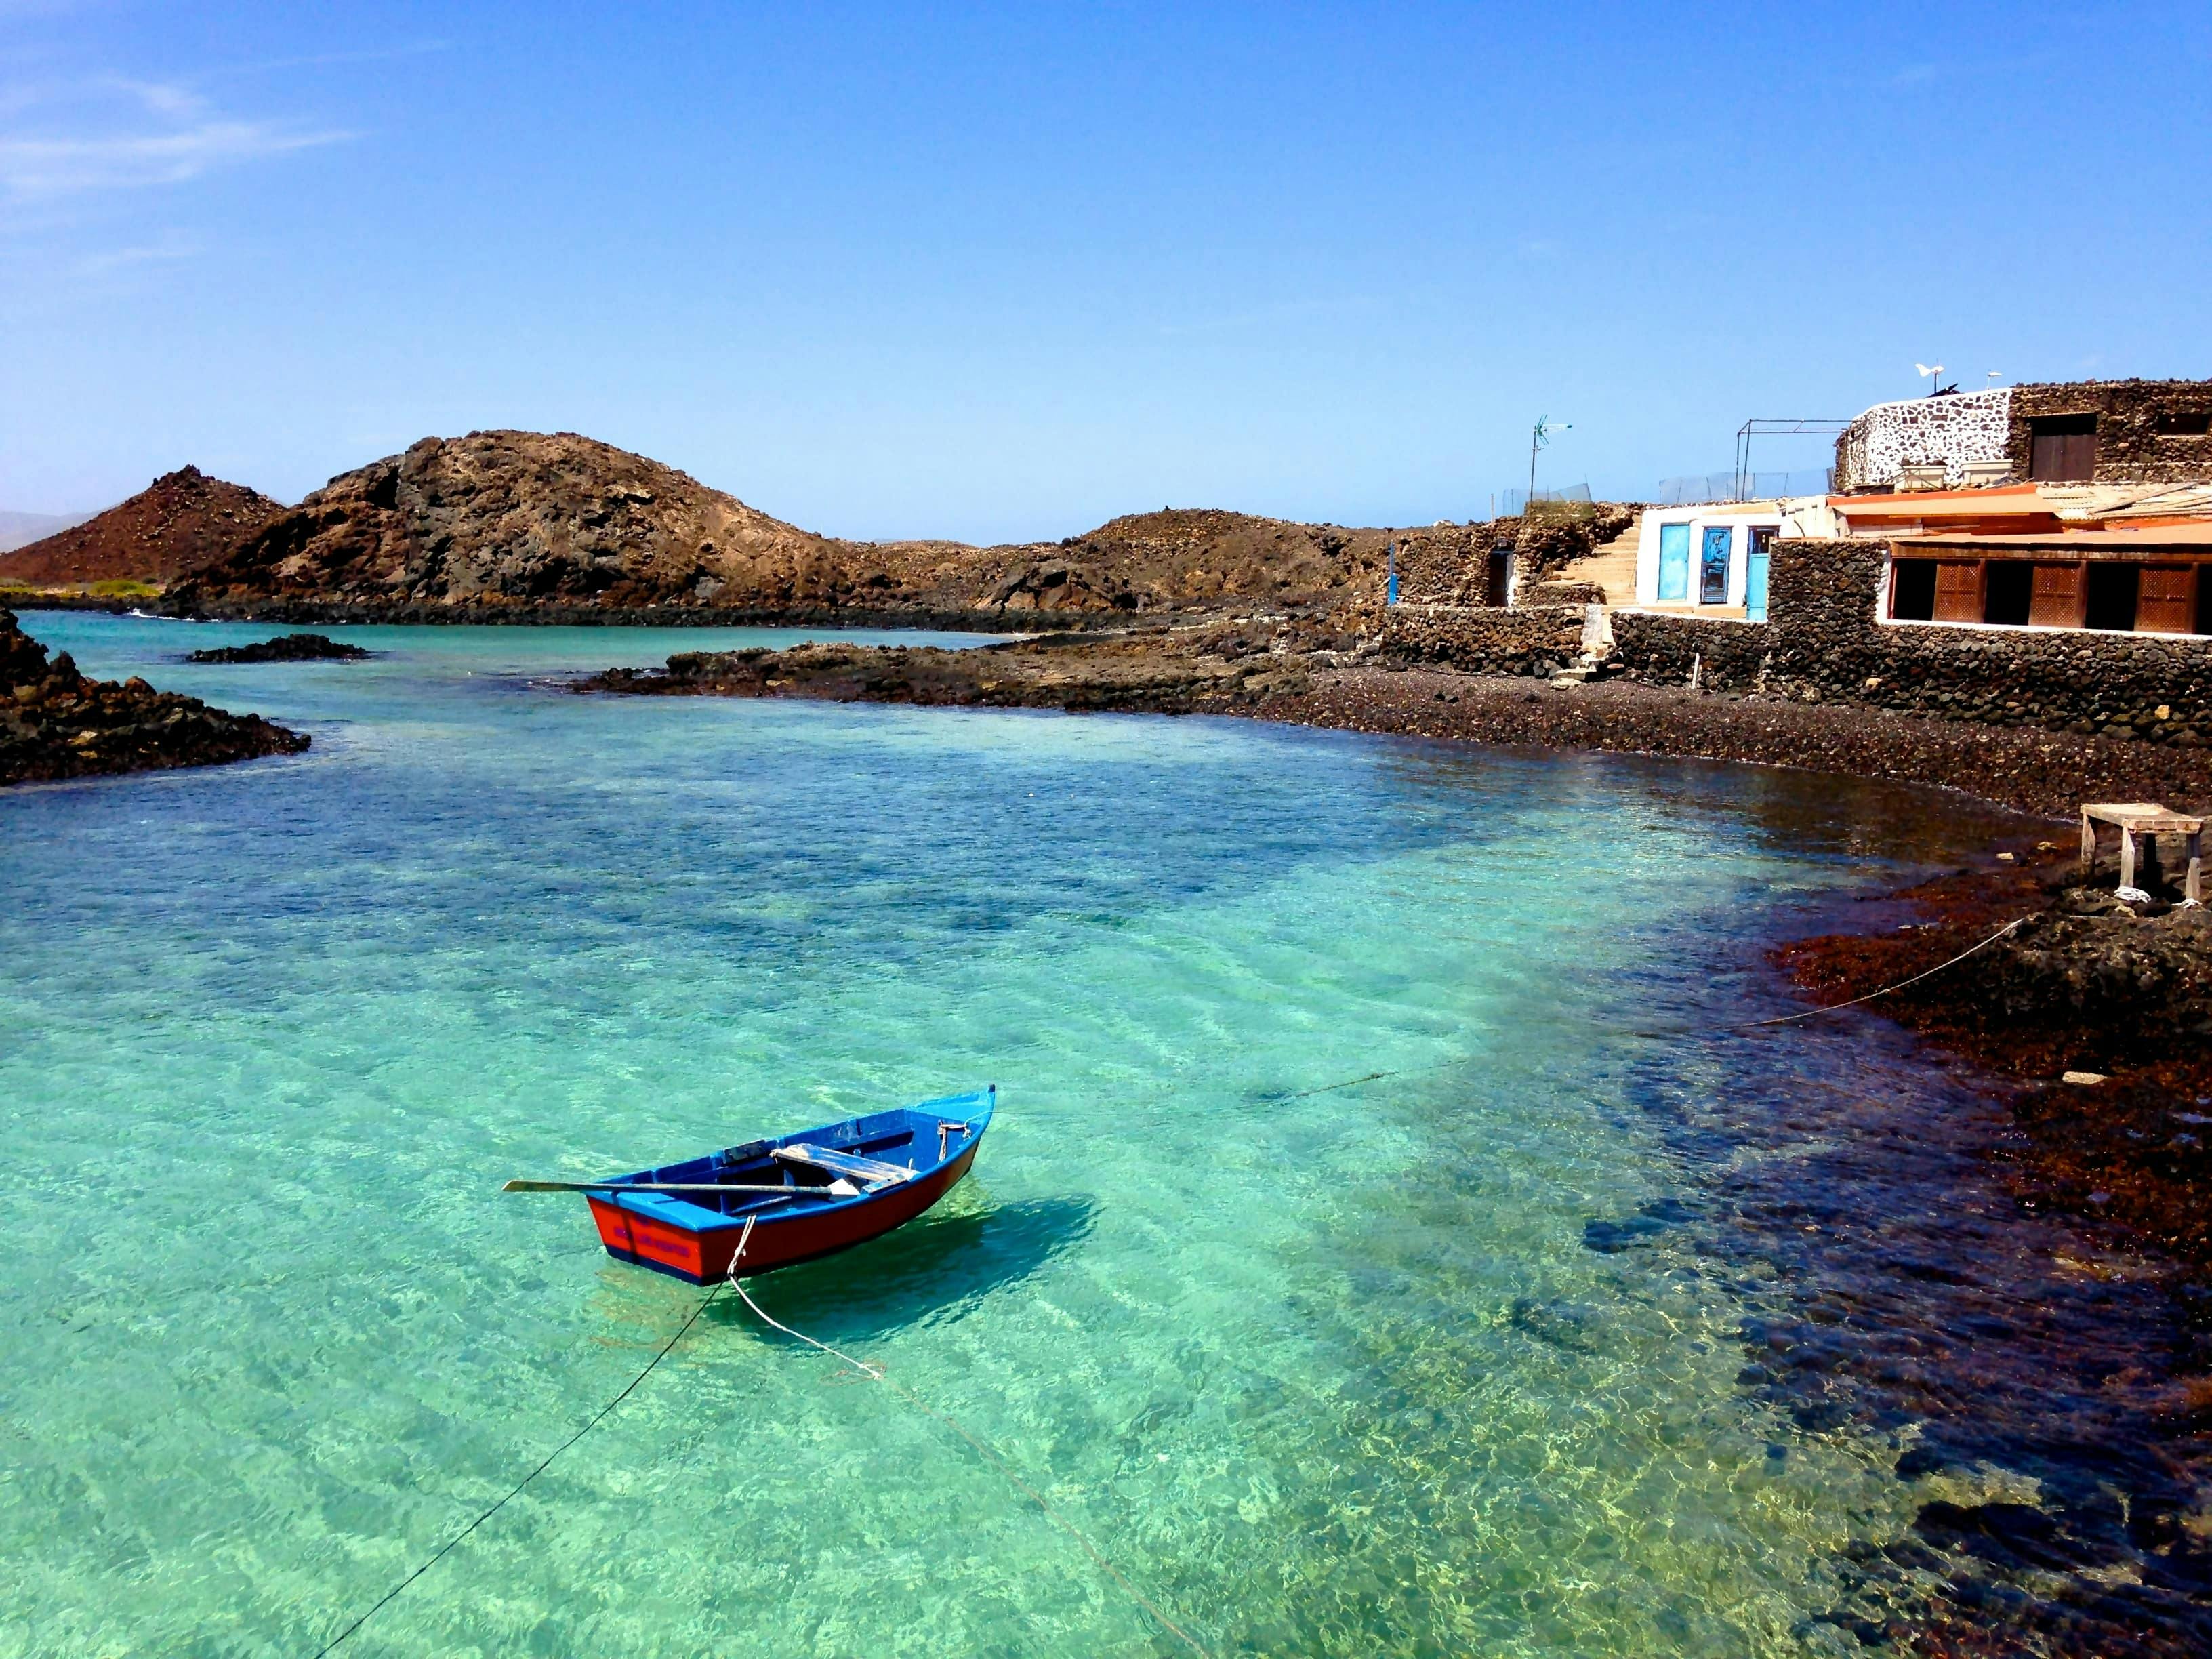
21	529
529	520
521	520
181	521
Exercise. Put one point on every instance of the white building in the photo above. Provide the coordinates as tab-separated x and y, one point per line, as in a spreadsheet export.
1711	560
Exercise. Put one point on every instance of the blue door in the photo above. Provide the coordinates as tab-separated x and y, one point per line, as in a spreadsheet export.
1713	565
1755	561
1674	563
1754	582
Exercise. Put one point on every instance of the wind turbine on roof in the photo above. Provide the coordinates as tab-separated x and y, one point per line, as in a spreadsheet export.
1539	439
1927	373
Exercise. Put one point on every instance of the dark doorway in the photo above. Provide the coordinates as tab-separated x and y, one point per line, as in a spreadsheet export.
1913	590
2008	588
1498	577
2111	602
2065	448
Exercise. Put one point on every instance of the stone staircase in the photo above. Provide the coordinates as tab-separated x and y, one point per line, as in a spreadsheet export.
1611	568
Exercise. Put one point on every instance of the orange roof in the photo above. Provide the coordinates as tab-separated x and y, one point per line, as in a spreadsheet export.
2005	501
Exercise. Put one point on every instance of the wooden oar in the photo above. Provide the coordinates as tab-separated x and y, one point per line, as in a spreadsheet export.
830	1191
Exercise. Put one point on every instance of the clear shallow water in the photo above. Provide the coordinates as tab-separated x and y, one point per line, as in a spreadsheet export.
1325	1372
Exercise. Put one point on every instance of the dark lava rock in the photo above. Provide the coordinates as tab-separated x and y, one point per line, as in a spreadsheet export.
287	647
55	723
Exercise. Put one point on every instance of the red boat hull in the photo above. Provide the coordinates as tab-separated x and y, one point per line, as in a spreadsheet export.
800	1235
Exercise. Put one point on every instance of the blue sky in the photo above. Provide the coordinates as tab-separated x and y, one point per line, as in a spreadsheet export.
1002	273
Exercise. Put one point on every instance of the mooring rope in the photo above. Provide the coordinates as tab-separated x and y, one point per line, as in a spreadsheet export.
878	1374
1834	1007
450	1544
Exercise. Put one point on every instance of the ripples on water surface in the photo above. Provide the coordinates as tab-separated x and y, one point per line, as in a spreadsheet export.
1431	1364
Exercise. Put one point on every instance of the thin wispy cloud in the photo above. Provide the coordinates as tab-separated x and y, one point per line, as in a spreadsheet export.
172	245
117	134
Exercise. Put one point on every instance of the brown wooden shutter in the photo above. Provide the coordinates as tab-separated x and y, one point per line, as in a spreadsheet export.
1959	591
2166	600
2057	602
2062	448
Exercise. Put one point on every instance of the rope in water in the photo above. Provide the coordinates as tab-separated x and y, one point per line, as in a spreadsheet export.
452	1543
877	1374
1834	1007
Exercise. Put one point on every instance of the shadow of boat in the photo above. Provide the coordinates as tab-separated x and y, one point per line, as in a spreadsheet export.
931	1272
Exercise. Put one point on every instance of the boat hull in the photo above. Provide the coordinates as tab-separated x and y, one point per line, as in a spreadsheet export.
699	1240
705	1257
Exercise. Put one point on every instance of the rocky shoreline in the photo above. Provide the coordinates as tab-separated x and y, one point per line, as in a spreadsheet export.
2115	996
402	613
2015	1280
55	723
1259	669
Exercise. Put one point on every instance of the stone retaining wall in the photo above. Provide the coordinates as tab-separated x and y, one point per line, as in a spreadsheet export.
1823	642
1479	639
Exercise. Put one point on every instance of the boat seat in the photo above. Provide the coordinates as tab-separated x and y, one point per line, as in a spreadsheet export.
871	1172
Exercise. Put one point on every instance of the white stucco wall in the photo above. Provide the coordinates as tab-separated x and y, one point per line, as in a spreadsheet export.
1785	518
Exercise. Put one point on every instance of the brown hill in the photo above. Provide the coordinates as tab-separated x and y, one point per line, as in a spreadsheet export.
1195	556
181	522
521	519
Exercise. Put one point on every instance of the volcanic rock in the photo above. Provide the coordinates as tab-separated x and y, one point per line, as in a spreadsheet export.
181	522
55	723
288	647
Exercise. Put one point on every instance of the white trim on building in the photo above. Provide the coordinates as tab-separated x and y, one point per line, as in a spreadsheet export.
1678	548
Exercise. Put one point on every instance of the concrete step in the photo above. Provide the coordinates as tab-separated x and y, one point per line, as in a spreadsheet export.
1611	568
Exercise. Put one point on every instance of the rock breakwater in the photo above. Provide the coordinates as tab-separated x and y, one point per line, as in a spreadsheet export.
1222	669
1302	674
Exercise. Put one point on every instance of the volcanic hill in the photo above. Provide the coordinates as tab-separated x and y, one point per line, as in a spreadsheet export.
179	523
505	522
513	523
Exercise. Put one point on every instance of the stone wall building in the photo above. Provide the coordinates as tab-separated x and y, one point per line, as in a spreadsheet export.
1832	635
2074	432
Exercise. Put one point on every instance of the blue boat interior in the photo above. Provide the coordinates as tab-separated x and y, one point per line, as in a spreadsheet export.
921	1137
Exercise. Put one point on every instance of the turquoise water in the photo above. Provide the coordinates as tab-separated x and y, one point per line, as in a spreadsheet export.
1322	1372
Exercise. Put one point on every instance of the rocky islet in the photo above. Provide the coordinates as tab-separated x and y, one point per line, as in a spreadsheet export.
286	648
56	723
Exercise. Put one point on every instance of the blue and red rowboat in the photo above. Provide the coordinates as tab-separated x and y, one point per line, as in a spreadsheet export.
807	1195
